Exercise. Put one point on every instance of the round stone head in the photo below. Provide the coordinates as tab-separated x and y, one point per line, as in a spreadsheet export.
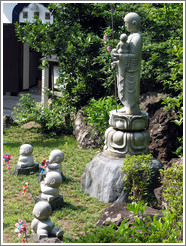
132	22
42	210
53	179
26	149
56	156
123	37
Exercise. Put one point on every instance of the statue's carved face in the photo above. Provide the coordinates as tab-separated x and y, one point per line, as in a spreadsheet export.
130	25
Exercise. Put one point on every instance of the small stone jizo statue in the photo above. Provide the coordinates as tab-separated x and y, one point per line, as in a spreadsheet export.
50	186
41	224
54	162
25	158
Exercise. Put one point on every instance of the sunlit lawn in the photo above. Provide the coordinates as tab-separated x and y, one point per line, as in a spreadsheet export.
79	211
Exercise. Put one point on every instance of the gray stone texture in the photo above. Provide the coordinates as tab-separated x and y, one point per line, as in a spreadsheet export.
41	224
103	178
7	121
27	170
55	204
84	135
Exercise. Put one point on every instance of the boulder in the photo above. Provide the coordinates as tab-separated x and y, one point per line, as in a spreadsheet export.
151	102
178	161
161	127
85	137
48	240
31	124
103	178
7	121
164	133
118	212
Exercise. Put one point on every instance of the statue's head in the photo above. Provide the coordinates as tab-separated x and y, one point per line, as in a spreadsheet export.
123	37
53	179
132	22
56	156
42	210
26	149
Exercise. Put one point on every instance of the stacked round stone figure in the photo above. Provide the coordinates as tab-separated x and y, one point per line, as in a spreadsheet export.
26	163
52	181
127	133
41	224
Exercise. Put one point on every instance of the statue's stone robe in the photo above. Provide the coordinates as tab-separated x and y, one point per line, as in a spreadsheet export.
128	76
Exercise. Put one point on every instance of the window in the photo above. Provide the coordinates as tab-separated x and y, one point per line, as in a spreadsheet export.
25	15
36	14
47	16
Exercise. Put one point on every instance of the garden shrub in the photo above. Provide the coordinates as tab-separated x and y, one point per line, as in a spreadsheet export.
53	118
97	114
172	182
164	230
138	177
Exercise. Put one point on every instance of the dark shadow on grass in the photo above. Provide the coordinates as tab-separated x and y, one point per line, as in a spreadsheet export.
42	143
72	207
66	180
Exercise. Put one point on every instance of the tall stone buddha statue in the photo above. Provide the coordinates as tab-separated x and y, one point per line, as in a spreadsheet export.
128	66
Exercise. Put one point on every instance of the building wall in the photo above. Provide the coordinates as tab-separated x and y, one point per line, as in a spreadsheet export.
27	14
7	9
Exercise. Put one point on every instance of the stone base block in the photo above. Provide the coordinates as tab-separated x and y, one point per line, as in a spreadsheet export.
103	178
56	203
27	170
45	240
119	143
121	121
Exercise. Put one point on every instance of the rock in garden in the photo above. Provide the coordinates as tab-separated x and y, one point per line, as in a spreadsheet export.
31	124
103	178
85	137
49	240
118	212
164	134
7	121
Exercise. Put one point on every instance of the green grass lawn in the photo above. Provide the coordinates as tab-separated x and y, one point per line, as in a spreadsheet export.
80	211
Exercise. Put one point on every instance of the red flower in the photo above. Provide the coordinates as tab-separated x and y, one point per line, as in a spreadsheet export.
105	37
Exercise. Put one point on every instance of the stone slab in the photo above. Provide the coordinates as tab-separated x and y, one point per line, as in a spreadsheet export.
45	240
27	170
56	203
103	178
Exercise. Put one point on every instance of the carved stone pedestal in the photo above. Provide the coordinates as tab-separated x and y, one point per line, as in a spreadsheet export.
127	134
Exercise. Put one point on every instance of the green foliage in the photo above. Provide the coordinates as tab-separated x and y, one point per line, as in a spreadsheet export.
138	176
172	183
97	114
77	37
54	118
163	230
